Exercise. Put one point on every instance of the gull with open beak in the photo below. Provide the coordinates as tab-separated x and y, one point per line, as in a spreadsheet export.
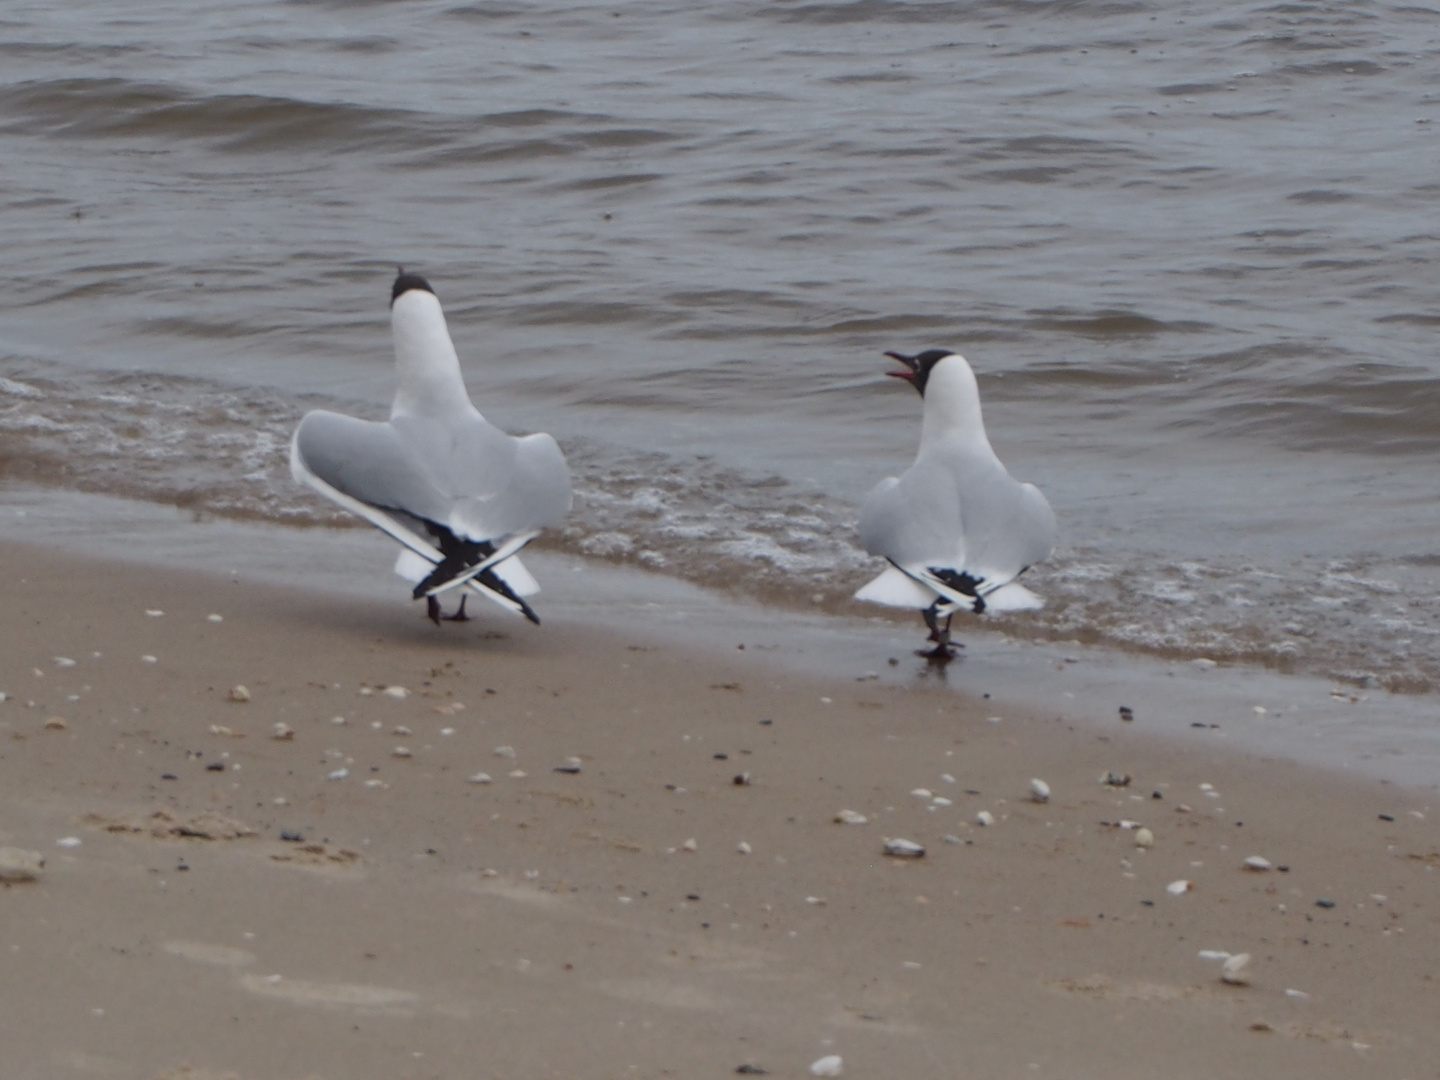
956	529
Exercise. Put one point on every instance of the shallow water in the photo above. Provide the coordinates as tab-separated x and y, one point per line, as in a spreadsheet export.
1190	250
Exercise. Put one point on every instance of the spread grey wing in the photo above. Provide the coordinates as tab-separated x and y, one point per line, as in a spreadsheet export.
370	462
534	494
914	520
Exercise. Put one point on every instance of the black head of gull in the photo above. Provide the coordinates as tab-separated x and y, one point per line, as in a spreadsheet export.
405	282
920	365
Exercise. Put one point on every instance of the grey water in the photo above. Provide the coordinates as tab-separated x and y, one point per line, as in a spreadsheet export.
1190	249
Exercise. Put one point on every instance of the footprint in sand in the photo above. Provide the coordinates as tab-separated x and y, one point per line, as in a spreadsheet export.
205	953
334	995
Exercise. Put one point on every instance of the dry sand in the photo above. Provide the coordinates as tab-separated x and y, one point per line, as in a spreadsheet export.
554	924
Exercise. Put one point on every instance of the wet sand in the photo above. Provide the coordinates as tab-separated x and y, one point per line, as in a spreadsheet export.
558	924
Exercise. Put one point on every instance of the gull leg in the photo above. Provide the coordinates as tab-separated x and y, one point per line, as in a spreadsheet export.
459	615
943	652
432	609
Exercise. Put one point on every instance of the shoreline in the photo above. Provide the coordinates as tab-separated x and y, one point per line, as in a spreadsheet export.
1315	721
231	911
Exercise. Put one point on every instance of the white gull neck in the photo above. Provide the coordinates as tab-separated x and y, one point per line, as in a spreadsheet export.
952	406
429	380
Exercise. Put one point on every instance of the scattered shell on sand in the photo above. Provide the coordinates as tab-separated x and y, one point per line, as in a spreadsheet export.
64	661
1144	838
923	793
690	845
480	778
338	774
517	774
903	849
148	659
18	865
401	729
743	848
1179	888
505	752
1297	995
1115	779
55	723
401	752
398	692
570	765
850	817
239	694
1214	954
212	617
1234	970
1204	663
68	842
829	1065
984	817
1039	790
940	800
1258	863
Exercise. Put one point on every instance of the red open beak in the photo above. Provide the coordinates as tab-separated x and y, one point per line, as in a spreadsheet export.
908	361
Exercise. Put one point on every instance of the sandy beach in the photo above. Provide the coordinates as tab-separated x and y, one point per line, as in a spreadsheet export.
311	883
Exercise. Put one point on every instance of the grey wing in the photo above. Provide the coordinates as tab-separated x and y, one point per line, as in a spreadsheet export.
534	494
369	462
915	520
498	485
1009	526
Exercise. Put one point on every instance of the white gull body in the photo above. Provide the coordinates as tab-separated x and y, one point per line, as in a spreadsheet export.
956	528
459	495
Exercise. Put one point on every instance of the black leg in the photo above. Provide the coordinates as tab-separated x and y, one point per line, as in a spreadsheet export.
943	652
432	609
459	615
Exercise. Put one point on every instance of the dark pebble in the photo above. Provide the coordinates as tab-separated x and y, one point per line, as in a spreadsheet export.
1387	817
766	723
1325	903
215	766
291	836
751	1070
722	757
168	776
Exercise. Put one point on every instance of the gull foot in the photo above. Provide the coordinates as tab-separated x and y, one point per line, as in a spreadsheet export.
459	615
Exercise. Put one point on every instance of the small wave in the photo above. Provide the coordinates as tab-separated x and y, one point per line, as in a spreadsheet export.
119	108
1111	324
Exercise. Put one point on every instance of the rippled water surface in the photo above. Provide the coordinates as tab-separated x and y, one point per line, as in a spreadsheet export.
1190	249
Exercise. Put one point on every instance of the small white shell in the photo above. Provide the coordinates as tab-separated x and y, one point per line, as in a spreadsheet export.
282	732
339	774
17	865
830	1065
690	845
903	849
984	817
940	800
743	848
1257	863
1213	954
505	752
850	817
1039	791
401	752
922	793
1179	888
239	694
396	692
480	778
1233	970
1144	838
